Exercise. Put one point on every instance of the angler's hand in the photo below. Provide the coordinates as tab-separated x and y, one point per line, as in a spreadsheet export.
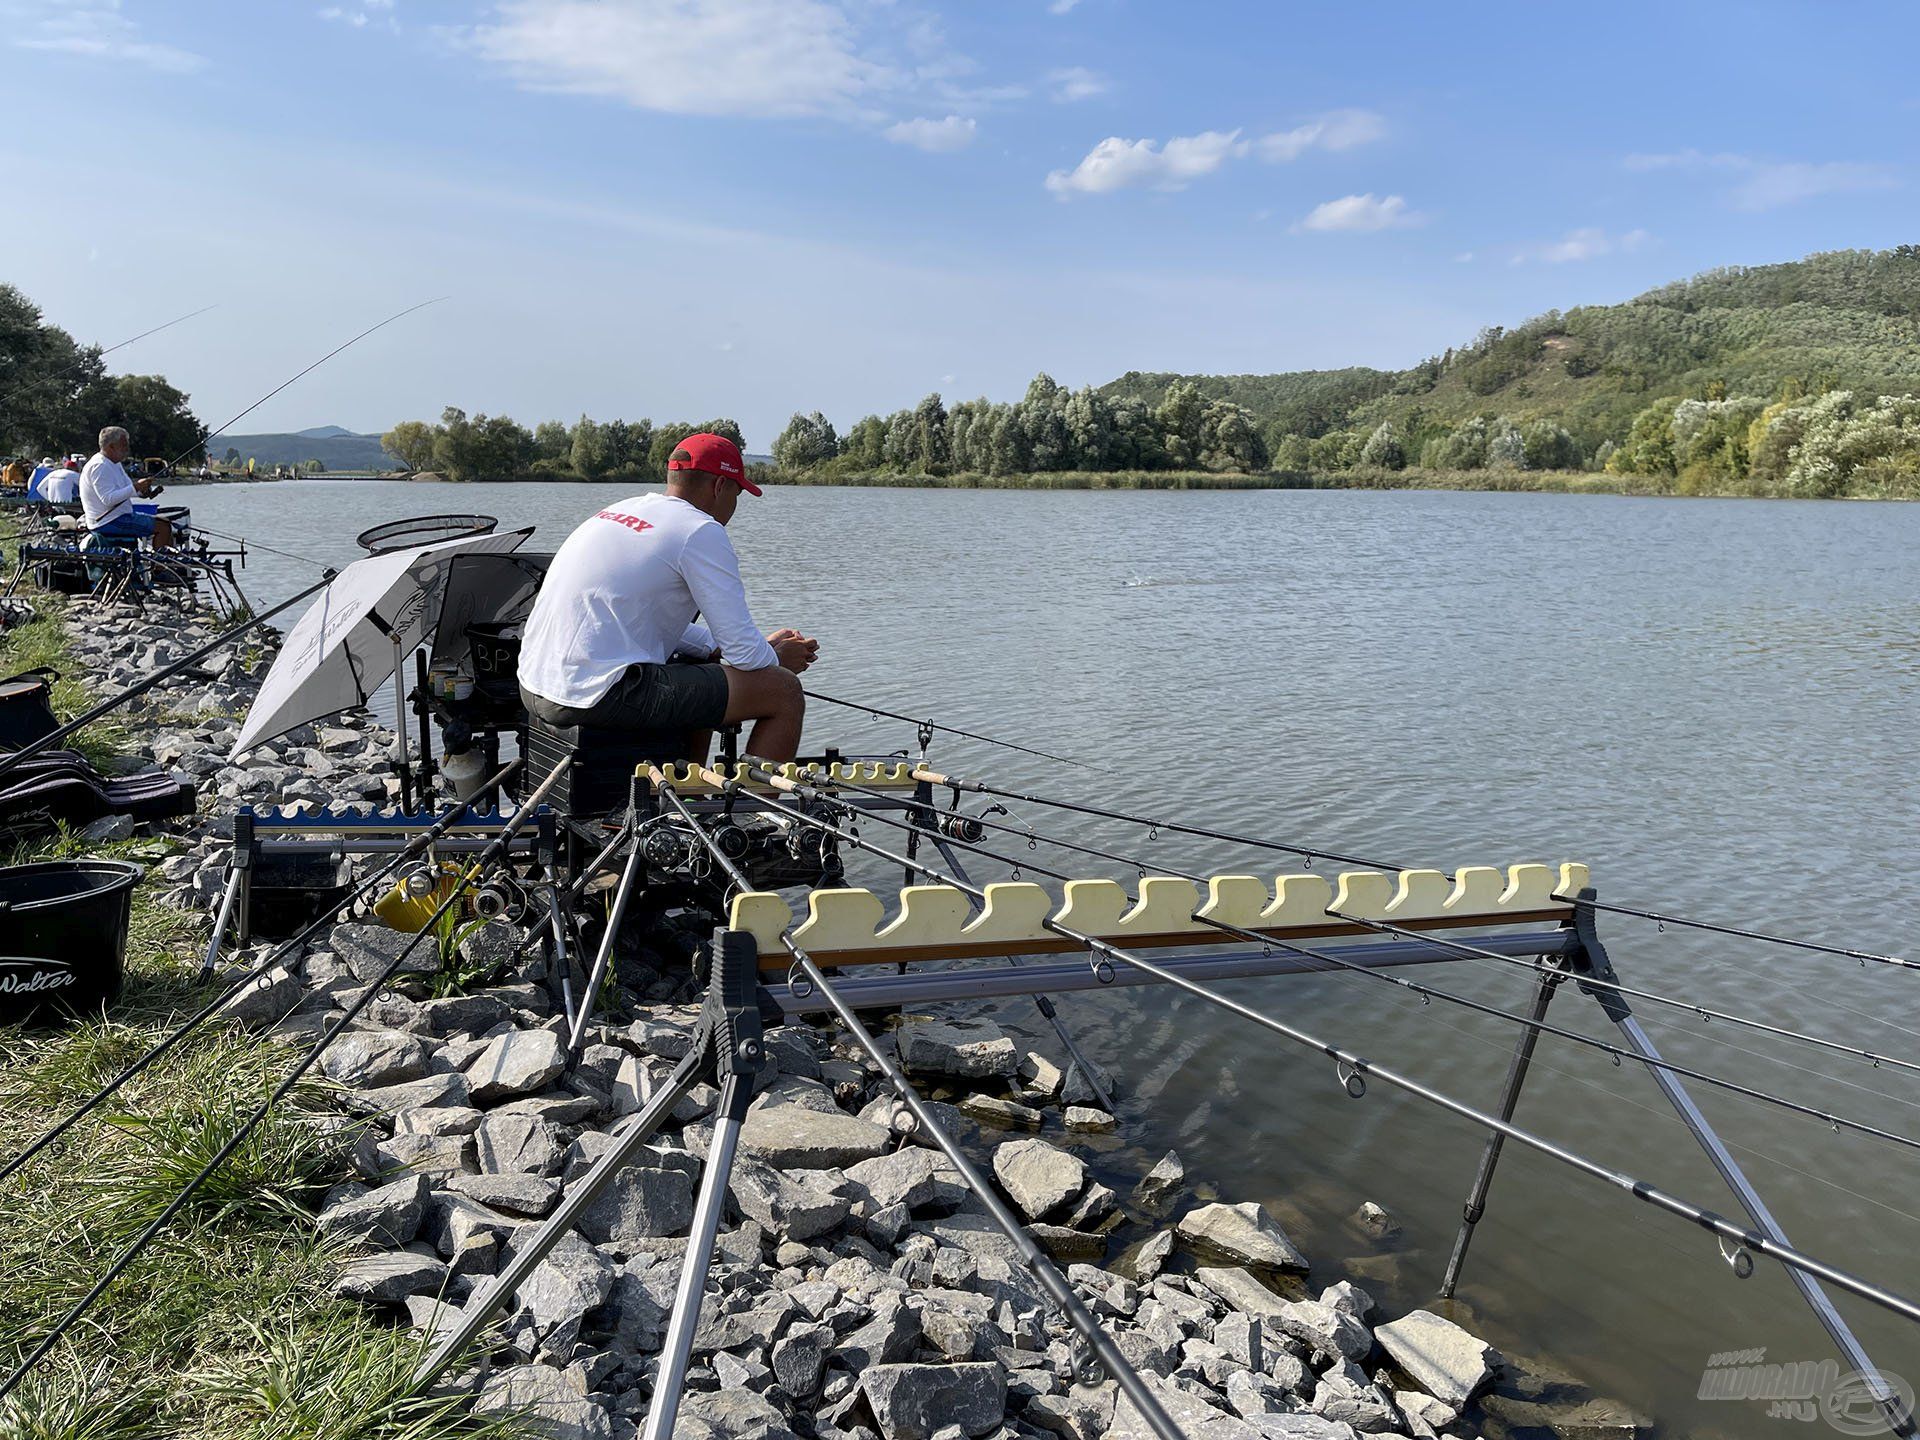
795	651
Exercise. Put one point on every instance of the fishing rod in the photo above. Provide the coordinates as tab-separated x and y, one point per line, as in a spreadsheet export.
928	725
1476	952
1042	1269
1356	1069
167	672
234	985
202	442
495	850
1706	1013
1429	992
77	364
981	787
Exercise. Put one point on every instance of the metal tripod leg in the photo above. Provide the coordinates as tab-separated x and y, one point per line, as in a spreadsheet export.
527	1254
1490	1157
677	1351
605	955
1594	956
234	880
1042	1003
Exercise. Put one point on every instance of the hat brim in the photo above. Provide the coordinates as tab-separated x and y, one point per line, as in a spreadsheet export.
746	485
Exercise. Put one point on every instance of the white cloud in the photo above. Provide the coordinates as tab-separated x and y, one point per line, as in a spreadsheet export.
1061	7
1768	184
1362	213
1076	82
689	57
93	30
1336	130
1588	243
369	12
935	136
1116	164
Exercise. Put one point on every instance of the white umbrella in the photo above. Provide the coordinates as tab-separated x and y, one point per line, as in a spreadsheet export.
352	639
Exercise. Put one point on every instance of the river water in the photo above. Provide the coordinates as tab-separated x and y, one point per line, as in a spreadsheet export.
1711	702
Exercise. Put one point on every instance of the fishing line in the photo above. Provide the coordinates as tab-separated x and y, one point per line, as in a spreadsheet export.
1358	1069
946	729
77	364
1475	952
202	442
1618	1052
981	787
243	540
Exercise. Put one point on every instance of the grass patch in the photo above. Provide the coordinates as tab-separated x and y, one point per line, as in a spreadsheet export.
181	1346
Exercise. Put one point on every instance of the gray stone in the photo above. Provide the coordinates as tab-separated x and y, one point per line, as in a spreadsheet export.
1346	1296
1344	1394
517	1144
1146	1260
1376	1222
265	1000
965	1049
800	1358
527	1195
547	1401
1426	1416
1240	1290
463	1014
995	1111
573	1279
1063	1242
389	1215
798	1137
1160	1188
1239	1336
368	950
520	1062
1194	1417
449	1090
914	1402
1440	1357
886	1339
1077	1089
1089	1118
902	1177
1081	1412
730	1415
1244	1233
1039	1077
639	1203
436	1156
389	1278
790	1207
1251	1395
1040	1179
367	1059
108	827
1329	1332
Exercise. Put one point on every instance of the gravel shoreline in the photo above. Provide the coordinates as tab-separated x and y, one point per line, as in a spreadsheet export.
858	1289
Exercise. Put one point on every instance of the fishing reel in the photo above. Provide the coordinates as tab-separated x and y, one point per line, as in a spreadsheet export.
967	829
670	849
501	898
809	844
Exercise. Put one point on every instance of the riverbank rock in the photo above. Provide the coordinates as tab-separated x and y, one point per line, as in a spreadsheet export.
917	1402
964	1049
520	1062
1245	1233
1039	1178
1440	1357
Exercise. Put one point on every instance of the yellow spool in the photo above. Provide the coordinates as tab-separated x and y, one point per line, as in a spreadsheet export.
399	909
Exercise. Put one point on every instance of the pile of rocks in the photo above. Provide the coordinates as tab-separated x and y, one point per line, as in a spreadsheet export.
859	1289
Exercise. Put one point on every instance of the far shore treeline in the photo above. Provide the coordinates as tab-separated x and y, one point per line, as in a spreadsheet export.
1800	379
1782	380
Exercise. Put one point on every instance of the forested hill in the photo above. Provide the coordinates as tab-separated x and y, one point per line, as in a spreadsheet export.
1848	320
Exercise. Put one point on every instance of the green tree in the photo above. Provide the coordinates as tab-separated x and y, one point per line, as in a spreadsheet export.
1383	448
930	453
1090	430
411	442
864	450
807	442
588	450
1229	439
1179	418
153	413
551	441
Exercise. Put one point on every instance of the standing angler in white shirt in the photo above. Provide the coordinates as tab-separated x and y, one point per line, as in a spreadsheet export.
618	603
107	494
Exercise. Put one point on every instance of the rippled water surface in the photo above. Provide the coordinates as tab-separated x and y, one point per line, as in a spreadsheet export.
1710	702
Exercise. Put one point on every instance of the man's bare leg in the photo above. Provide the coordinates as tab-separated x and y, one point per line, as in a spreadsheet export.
773	700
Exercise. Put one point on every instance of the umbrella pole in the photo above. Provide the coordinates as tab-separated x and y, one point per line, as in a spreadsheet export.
400	727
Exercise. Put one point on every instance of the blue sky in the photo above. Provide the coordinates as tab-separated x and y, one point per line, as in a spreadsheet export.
683	208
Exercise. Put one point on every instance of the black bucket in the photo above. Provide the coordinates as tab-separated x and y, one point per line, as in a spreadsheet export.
63	936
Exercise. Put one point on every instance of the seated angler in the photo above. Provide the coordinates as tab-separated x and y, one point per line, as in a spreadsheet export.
616	612
107	494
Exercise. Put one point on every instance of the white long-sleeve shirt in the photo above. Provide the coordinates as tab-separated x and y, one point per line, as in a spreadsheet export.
105	491
623	590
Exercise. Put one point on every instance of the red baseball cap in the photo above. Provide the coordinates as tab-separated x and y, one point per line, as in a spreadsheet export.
714	455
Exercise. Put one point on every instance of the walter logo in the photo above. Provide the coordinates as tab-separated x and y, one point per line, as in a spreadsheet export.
21	975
